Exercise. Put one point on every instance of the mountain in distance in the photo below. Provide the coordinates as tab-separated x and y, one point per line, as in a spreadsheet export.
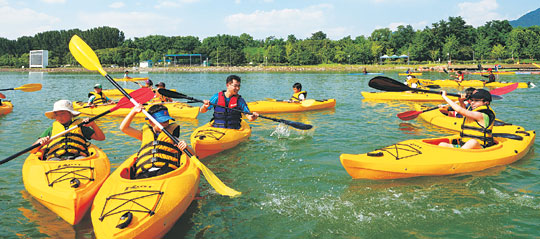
527	20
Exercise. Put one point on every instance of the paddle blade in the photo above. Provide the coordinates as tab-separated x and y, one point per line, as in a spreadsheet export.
85	55
29	87
409	115
293	124
504	90
387	84
174	94
141	95
214	181
2	96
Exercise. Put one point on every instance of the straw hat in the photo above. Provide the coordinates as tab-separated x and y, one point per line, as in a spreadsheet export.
62	105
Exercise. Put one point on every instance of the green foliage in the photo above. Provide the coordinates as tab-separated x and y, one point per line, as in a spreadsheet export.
444	40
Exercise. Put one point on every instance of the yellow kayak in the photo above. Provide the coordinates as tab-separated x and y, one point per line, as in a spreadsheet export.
143	208
408	96
439	119
117	93
495	73
423	157
6	107
207	140
131	79
176	110
269	106
66	187
470	83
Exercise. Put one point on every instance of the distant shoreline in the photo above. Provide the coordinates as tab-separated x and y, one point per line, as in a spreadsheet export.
276	69
218	69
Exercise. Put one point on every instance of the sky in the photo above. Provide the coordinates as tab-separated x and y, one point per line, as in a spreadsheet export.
258	18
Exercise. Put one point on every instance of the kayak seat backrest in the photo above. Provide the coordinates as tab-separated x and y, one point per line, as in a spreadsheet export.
436	141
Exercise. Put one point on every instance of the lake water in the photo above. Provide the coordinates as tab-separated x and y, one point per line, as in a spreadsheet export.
292	182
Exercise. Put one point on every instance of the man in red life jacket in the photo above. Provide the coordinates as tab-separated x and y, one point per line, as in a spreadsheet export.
225	117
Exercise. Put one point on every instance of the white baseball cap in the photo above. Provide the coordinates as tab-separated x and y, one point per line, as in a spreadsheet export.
62	105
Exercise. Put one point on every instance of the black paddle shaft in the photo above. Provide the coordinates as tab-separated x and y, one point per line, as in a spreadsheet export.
294	124
388	84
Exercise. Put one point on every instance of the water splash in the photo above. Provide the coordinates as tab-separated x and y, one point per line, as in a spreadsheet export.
284	131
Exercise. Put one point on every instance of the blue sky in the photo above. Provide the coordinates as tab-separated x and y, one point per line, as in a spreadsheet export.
259	18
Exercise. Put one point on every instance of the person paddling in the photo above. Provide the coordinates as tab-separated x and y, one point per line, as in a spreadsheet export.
478	122
97	97
490	76
159	97
158	153
459	77
223	117
299	95
72	145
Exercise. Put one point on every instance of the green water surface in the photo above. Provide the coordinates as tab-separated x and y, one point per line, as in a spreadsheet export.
292	182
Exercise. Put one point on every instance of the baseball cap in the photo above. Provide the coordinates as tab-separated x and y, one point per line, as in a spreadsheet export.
98	86
161	84
481	94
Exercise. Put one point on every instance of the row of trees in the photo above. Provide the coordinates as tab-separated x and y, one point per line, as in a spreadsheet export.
445	40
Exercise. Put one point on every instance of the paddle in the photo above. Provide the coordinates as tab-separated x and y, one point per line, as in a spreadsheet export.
410	115
388	84
141	95
294	124
89	60
26	88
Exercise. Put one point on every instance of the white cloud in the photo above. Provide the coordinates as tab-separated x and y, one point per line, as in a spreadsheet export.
117	5
3	2
53	1
173	3
25	22
134	24
478	13
280	23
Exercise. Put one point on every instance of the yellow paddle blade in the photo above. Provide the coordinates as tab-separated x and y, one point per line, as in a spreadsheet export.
307	103
214	181
29	87
85	55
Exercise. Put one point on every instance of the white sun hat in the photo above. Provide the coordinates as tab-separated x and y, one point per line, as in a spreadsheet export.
62	105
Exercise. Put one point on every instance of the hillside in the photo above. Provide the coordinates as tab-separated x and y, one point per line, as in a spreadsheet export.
527	20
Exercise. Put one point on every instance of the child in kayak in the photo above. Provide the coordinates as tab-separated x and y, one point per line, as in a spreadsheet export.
158	153
490	76
161	98
298	95
478	123
97	97
72	145
463	101
459	77
223	116
126	75
147	84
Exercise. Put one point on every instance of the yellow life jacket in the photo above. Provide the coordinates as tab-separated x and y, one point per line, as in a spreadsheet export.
72	143
157	151
99	98
296	96
471	129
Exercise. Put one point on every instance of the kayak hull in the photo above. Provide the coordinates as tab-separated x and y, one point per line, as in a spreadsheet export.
266	106
6	108
423	157
470	83
176	110
407	96
437	118
207	140
131	79
50	182
411	74
153	204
